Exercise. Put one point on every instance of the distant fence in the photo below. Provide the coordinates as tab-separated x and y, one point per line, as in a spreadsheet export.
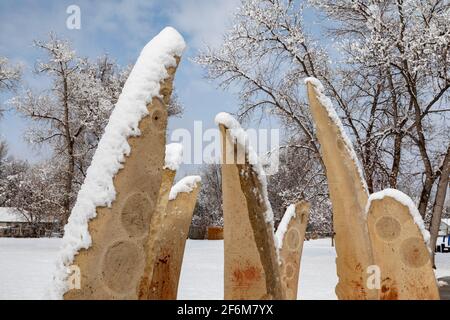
215	233
24	230
197	232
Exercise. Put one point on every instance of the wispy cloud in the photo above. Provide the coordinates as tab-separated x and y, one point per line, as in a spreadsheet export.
203	20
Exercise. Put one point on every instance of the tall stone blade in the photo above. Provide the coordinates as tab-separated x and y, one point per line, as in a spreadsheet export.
290	236
348	196
112	262
167	255
112	267
251	261
399	248
155	237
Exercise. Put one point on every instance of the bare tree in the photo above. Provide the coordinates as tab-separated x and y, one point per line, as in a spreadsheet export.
390	84
209	211
11	177
71	117
409	41
10	77
439	202
300	177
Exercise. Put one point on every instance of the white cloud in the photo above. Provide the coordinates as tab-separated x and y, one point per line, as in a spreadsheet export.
204	21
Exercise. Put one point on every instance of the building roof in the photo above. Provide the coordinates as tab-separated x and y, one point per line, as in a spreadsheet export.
11	215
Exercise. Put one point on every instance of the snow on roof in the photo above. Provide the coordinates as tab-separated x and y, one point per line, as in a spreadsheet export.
98	189
174	156
406	201
332	114
187	184
11	215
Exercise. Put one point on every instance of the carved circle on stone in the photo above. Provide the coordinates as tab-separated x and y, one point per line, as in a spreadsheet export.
388	228
413	252
136	212
119	268
292	239
289	271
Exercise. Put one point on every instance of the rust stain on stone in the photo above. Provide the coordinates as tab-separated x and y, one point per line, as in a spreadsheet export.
388	290
247	276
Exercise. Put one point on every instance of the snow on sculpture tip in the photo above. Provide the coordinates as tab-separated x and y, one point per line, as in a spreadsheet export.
284	224
235	130
186	185
174	156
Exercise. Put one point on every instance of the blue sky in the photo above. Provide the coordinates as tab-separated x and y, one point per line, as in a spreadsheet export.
120	28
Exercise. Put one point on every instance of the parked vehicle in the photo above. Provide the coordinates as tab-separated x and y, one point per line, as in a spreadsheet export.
443	244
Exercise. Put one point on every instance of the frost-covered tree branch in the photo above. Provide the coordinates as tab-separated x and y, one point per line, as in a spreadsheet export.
10	77
389	81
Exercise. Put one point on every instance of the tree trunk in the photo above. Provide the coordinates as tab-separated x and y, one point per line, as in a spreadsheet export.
393	175
70	153
439	204
430	176
425	195
396	161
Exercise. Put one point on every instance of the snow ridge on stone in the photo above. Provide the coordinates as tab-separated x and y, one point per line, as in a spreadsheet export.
174	156
187	185
283	226
241	137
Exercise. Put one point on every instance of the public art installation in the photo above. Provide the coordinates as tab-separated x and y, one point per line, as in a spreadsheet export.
252	262
127	231
109	228
348	194
384	230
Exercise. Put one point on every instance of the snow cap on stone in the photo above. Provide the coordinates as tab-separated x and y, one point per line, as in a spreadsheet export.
186	185
174	156
283	226
240	136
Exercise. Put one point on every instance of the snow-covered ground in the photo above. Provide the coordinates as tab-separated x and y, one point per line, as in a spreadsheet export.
26	267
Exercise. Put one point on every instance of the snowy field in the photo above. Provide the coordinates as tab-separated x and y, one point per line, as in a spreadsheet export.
26	267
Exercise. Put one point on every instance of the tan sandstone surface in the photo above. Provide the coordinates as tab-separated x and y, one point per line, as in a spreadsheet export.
251	268
291	251
400	252
349	199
